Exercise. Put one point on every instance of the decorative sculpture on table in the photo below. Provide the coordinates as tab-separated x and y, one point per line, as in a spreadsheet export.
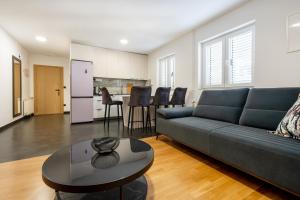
105	144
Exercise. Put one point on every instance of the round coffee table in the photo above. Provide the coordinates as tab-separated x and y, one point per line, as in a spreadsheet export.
78	172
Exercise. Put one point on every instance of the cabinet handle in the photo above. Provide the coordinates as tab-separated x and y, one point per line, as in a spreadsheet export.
99	109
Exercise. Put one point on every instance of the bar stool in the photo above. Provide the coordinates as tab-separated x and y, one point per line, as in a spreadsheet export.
178	97
161	98
139	97
107	101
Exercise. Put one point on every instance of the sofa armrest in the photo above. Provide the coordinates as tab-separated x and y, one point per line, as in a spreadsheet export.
169	113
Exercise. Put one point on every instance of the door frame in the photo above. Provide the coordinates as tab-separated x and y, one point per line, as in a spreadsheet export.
62	89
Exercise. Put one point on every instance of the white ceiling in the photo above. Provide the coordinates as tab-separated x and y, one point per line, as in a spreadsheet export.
147	24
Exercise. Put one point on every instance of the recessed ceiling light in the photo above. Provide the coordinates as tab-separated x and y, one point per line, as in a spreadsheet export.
41	38
124	41
295	25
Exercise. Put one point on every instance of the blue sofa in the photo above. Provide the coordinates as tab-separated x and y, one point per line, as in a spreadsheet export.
232	126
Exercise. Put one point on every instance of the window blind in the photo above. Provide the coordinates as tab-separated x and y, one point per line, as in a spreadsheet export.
213	64
166	71
162	72
240	58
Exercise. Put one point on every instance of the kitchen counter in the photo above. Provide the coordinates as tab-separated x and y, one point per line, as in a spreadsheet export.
99	110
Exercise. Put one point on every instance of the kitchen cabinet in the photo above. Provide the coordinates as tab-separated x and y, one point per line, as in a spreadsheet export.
98	107
112	63
81	52
120	65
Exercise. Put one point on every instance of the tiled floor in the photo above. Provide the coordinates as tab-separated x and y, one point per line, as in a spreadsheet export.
42	135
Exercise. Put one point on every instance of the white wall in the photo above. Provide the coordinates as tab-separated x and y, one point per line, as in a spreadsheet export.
10	47
184	51
183	48
36	59
274	67
112	63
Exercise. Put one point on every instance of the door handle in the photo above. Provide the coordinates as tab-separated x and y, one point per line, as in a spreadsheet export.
58	91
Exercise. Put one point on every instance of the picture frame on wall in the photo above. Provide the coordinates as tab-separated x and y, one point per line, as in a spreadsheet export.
293	32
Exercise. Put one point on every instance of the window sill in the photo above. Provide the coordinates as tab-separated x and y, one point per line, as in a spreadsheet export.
226	87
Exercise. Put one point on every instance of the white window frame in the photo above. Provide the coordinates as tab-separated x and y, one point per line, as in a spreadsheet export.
158	70
225	65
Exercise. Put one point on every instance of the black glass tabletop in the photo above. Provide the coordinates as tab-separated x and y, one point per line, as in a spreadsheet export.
79	169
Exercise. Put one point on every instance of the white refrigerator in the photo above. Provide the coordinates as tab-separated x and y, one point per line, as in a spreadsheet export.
81	91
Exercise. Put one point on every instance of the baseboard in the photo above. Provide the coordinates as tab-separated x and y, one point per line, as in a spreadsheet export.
102	118
16	121
2	128
74	123
28	116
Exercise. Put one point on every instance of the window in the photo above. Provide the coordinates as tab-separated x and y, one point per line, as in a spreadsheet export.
228	60
166	70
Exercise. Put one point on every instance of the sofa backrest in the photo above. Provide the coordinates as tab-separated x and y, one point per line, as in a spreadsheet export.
224	105
265	107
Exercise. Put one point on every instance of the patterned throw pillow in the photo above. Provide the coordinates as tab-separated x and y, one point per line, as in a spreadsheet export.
290	124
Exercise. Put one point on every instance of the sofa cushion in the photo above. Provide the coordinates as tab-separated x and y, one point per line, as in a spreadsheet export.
224	105
191	131
265	107
177	112
290	124
273	158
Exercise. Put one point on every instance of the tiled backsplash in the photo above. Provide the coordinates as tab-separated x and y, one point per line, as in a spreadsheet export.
118	86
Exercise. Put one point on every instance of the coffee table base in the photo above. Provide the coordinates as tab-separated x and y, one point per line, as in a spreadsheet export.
136	190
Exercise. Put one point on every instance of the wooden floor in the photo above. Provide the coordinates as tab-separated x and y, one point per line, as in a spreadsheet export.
177	173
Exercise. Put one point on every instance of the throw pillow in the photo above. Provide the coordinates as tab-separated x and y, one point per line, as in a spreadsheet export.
290	124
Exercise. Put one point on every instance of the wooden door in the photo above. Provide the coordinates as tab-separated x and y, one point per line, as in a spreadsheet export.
48	90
